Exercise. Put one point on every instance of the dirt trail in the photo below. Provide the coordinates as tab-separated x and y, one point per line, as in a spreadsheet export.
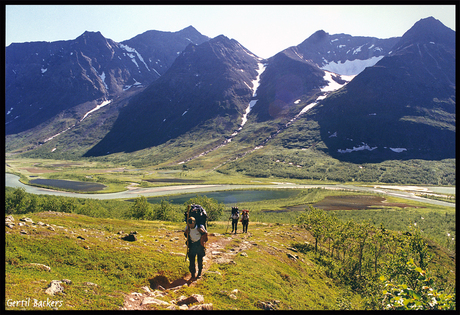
160	286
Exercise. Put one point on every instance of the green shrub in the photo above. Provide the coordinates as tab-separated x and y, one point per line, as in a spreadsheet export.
401	296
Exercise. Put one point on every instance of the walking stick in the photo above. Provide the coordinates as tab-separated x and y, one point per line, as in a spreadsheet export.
187	230
227	225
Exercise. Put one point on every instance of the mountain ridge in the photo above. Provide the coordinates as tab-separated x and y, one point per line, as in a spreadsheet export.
220	96
210	88
404	104
59	75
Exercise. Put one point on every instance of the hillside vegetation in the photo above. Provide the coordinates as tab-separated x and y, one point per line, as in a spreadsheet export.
315	262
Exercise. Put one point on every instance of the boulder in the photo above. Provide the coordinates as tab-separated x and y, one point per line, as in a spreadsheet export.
268	305
146	289
201	307
194	298
151	300
130	238
54	287
27	220
9	218
90	284
41	266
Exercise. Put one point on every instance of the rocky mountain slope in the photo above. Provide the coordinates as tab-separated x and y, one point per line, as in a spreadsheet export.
211	81
403	107
43	79
341	53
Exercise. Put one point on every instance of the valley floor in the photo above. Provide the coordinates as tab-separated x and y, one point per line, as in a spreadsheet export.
407	192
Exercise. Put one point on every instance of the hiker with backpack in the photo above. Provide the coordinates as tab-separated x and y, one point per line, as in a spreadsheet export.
234	216
245	220
197	236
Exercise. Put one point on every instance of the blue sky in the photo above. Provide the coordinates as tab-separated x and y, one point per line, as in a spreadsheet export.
263	29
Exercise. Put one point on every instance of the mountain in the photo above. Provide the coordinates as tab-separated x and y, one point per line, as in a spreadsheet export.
286	78
298	72
401	108
341	53
42	79
398	102
207	82
160	49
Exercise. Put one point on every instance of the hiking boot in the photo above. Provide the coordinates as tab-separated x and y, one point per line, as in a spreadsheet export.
199	274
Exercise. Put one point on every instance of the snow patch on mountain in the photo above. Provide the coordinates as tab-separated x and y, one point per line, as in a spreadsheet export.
255	86
102	76
50	138
398	150
351	67
256	81
136	83
104	103
132	50
364	146
330	87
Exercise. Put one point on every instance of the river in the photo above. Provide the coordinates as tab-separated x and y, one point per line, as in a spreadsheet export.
406	192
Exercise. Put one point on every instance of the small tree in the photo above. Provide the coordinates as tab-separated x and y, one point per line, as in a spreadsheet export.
419	247
16	202
165	211
315	221
140	208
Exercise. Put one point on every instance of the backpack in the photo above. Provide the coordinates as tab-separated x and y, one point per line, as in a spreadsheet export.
245	215
235	213
199	213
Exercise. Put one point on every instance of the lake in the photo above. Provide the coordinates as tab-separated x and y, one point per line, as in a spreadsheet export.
68	184
231	197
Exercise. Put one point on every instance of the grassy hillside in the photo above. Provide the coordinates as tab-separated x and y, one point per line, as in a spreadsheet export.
274	266
294	152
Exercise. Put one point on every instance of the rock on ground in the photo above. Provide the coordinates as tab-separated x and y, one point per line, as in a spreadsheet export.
54	287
